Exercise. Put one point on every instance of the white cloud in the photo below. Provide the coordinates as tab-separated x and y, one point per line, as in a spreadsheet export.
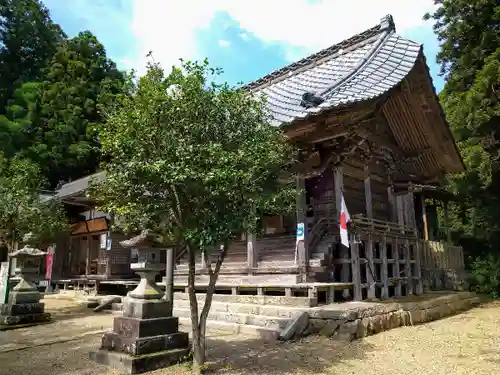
223	43
169	27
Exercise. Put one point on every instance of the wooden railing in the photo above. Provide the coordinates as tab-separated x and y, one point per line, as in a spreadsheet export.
442	255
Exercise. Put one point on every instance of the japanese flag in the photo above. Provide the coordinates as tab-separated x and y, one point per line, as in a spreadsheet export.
344	219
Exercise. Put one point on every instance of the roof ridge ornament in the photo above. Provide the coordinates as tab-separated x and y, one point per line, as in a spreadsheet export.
310	99
387	23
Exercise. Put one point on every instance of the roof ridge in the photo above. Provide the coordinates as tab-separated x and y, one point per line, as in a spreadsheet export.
363	62
385	26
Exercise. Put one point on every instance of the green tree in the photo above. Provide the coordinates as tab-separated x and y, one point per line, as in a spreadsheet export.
28	39
469	33
20	115
63	127
190	160
22	209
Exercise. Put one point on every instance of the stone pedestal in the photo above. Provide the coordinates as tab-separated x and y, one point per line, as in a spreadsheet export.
24	306
146	337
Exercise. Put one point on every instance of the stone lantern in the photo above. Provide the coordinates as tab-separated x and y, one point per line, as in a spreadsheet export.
147	336
24	304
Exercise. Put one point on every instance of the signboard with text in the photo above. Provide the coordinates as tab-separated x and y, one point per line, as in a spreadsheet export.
300	231
4	282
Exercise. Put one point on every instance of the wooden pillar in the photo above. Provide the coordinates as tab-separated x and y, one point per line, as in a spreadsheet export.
302	251
370	268
392	205
397	268
87	262
400	212
419	288
370	265
252	255
384	273
408	273
356	276
368	194
344	251
424	219
447	222
410	199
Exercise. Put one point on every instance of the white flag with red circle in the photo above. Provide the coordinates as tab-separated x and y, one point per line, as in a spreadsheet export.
344	219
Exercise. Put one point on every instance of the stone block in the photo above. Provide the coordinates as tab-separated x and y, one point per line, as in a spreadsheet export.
347	331
363	328
24	319
146	345
22	309
137	328
376	324
394	320
331	327
415	316
316	325
145	309
24	297
295	327
129	364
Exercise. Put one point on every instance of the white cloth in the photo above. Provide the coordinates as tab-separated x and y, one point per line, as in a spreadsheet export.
343	220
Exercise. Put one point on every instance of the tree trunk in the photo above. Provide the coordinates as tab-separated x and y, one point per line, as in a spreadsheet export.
199	326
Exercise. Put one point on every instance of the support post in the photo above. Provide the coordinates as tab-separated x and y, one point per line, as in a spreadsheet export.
384	272
419	289
368	194
392	204
169	279
356	277
408	273
397	268
370	265
302	253
400	212
370	268
251	251
447	222
424	219
344	252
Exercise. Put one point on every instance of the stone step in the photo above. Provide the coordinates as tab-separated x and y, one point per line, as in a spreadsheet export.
271	322
263	311
219	327
273	301
239	279
266	334
270	311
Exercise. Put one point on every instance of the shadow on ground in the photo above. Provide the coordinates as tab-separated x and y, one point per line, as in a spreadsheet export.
309	355
226	355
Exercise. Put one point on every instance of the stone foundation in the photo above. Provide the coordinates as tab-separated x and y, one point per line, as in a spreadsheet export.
356	320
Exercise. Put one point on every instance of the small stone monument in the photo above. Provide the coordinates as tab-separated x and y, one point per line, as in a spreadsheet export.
147	336
24	306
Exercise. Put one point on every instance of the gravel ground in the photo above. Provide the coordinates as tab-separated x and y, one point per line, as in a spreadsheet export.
468	343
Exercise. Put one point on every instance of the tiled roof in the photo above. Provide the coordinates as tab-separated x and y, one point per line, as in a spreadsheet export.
78	186
357	69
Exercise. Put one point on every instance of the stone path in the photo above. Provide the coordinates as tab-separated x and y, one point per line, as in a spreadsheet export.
468	343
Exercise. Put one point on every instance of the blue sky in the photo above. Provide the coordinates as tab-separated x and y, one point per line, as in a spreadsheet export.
246	39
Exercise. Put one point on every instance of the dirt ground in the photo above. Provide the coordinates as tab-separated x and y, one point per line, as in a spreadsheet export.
468	343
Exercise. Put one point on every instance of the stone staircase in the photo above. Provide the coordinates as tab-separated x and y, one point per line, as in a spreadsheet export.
263	317
276	263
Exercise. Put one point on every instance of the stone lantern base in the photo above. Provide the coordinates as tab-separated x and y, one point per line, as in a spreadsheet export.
24	307
145	338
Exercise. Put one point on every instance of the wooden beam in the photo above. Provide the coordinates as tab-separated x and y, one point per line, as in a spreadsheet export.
368	194
344	251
